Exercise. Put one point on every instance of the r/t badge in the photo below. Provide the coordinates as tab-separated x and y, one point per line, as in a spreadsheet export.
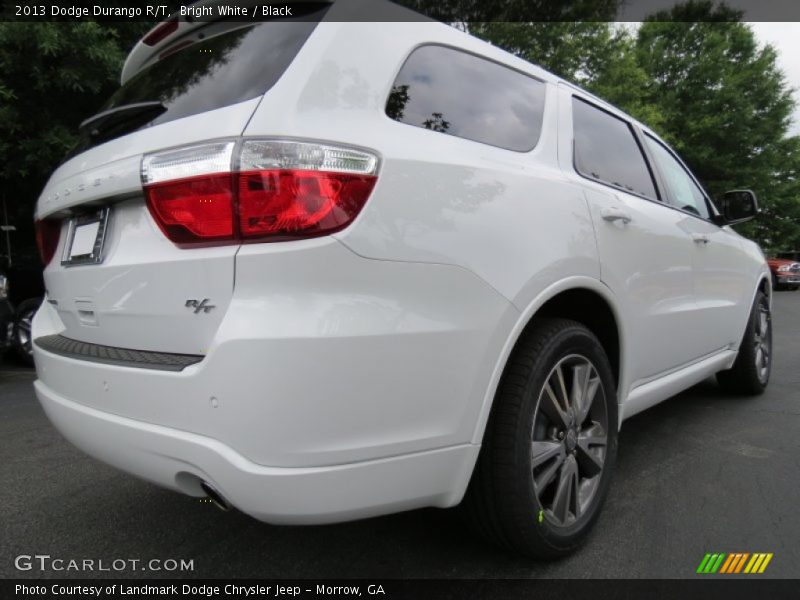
200	305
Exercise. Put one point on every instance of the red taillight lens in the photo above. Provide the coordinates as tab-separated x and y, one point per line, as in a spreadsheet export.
192	210
285	190
48	232
292	203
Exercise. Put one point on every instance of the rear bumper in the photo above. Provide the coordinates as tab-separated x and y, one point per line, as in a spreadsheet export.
335	387
788	278
180	460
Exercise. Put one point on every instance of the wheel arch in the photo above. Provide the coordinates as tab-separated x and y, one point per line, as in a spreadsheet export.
570	299
764	284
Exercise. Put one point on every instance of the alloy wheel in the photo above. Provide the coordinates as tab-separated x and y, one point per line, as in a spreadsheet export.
762	339
569	440
24	332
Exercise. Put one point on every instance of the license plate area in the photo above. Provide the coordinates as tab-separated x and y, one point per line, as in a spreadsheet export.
86	235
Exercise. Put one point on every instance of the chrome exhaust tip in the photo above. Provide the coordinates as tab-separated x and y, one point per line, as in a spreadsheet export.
216	498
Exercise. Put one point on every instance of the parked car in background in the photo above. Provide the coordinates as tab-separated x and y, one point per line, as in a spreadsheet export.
24	293
6	316
785	273
327	272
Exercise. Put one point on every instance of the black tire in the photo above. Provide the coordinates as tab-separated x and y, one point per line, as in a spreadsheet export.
22	342
750	373
775	285
507	501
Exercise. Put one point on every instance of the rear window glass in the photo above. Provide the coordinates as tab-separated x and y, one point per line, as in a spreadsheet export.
453	92
606	150
237	64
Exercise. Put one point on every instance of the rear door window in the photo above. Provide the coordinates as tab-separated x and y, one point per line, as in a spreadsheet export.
450	91
606	150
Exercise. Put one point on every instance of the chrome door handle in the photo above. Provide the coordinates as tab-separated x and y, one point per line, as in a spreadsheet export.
700	238
613	214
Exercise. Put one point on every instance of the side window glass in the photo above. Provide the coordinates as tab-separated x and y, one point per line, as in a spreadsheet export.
683	191
453	92
606	150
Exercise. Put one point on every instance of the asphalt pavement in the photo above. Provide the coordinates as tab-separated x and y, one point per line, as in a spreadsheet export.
702	472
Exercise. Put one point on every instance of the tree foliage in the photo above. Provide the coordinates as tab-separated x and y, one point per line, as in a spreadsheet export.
725	105
52	77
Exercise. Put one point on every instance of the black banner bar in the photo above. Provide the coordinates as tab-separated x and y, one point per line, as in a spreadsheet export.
448	11
733	588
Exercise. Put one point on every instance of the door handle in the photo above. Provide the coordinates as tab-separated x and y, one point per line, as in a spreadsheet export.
612	214
700	238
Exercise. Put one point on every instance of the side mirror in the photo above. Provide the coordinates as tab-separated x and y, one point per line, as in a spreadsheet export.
736	206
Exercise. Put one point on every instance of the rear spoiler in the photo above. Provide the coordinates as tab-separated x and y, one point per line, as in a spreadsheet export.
161	37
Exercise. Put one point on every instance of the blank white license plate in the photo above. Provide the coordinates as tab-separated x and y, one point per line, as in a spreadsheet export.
86	238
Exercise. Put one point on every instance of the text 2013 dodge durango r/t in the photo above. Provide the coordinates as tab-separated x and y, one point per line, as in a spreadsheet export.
322	270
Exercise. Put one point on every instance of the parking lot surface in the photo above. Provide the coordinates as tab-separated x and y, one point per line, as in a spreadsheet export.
702	472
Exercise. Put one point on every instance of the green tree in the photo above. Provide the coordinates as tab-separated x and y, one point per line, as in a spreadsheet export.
52	77
725	107
778	228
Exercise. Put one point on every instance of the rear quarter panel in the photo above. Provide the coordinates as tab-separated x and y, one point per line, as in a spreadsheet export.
509	218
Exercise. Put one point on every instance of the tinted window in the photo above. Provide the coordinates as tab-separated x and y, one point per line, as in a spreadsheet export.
236	64
683	191
606	150
453	92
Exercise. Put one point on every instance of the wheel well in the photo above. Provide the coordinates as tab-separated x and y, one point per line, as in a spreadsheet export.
593	311
764	286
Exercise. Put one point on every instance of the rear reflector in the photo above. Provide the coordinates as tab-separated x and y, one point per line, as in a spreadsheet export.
281	190
48	232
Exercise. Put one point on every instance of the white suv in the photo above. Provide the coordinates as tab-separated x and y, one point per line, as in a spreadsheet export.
325	271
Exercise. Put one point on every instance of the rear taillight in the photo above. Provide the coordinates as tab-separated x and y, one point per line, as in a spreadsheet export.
190	192
48	232
299	203
281	190
197	208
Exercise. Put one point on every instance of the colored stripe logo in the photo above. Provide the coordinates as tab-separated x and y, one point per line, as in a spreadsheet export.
735	562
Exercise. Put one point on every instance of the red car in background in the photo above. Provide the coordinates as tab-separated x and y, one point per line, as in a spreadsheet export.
785	270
